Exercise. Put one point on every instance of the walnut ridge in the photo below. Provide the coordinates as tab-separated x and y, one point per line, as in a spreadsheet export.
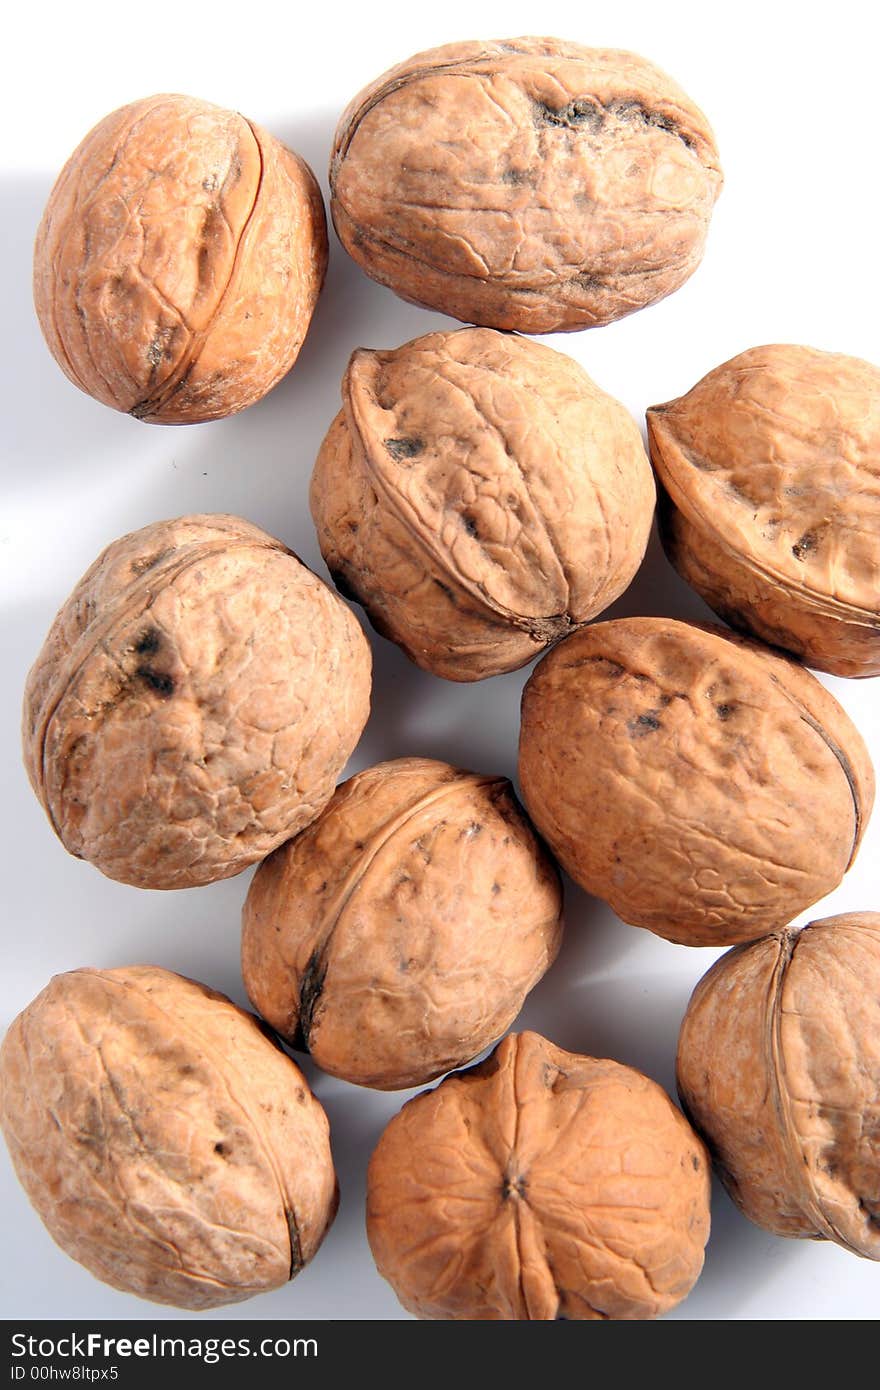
531	184
166	1143
770	469
179	260
779	1069
193	704
480	496
538	1185
398	935
702	785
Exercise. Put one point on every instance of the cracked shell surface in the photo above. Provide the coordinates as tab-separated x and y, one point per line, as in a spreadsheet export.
480	496
531	184
539	1185
399	934
771	473
193	704
779	1070
705	787
166	1143
179	260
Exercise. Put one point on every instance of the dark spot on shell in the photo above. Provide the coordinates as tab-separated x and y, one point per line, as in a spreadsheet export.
644	724
657	120
446	590
221	1149
311	984
469	525
496	888
401	449
580	114
513	1187
159	681
516	177
696	1162
724	711
148	643
808	542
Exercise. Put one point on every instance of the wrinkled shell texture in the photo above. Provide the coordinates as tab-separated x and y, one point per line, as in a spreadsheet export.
193	704
539	1185
779	1069
178	261
771	473
480	496
166	1143
531	184
705	787
399	934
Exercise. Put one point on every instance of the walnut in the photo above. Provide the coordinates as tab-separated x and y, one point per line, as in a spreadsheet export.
779	1068
532	184
178	261
539	1185
771	471
480	496
398	935
193	704
705	787
166	1143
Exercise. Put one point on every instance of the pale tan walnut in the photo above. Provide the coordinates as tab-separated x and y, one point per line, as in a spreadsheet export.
770	469
165	1141
179	260
704	786
530	184
539	1185
399	934
480	496
779	1070
193	704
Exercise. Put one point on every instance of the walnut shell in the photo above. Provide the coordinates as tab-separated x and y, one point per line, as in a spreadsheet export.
539	1185
165	1141
178	261
771	472
399	934
480	496
779	1069
193	704
705	787
531	184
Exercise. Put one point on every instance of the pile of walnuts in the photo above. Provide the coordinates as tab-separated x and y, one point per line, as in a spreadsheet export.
200	692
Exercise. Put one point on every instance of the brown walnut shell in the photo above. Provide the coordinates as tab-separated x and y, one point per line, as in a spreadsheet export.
178	261
166	1143
480	496
399	934
779	1069
539	1185
771	507
705	787
193	704
531	184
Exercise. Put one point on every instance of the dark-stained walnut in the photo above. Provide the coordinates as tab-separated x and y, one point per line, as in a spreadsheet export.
480	496
531	184
178	261
398	935
193	704
779	1069
771	506
539	1185
704	786
166	1143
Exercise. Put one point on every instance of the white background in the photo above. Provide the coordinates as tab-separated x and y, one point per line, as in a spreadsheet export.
792	257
